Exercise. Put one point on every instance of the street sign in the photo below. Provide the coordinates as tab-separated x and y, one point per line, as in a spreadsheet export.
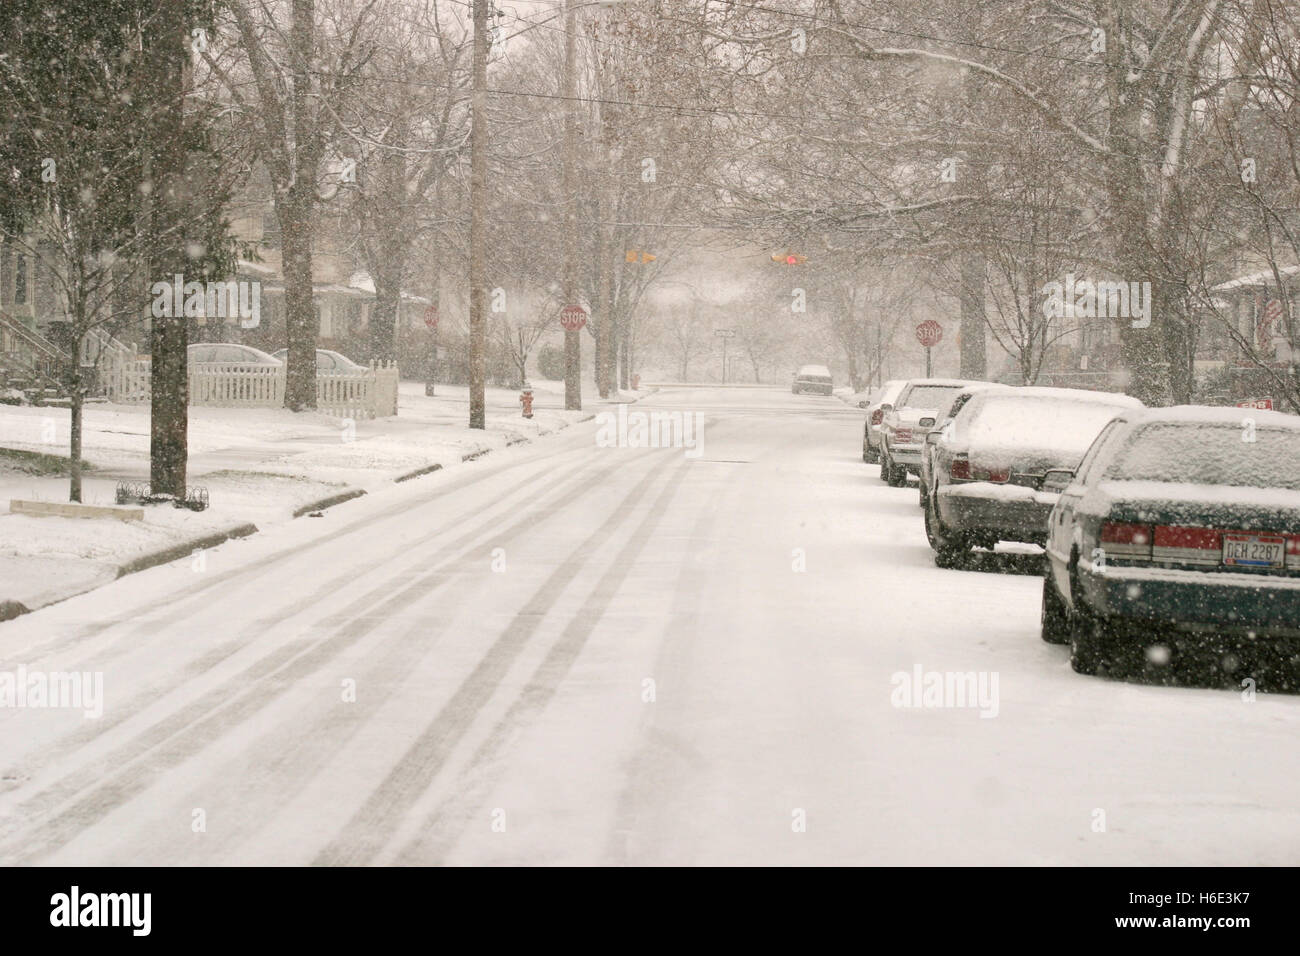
1259	404
431	316
573	317
929	333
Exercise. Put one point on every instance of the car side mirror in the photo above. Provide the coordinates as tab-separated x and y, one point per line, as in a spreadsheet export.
886	408
864	404
1058	479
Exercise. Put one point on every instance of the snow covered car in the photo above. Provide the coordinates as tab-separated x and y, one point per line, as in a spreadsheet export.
906	424
881	402
228	353
989	465
812	378
1178	535
326	361
946	415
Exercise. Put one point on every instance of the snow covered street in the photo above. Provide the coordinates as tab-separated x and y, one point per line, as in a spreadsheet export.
575	654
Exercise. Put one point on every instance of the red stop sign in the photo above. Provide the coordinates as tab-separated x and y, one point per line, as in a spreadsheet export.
573	317
929	332
431	316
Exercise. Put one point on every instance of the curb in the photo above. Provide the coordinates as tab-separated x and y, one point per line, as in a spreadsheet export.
422	470
183	550
329	502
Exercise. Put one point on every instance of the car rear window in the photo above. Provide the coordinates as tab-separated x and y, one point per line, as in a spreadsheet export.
1210	454
930	396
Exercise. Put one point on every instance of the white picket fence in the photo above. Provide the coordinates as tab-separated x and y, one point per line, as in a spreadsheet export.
368	393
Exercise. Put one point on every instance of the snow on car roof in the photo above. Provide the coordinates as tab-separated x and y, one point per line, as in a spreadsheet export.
1217	415
813	370
1074	394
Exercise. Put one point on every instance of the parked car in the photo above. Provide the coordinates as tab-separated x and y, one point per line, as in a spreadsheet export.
907	422
881	402
228	353
1179	532
326	361
812	378
958	401
990	463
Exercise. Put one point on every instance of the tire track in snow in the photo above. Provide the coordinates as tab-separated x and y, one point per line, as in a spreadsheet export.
214	657
365	835
183	734
180	605
424	849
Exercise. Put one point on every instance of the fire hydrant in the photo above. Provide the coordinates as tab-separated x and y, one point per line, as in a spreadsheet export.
526	400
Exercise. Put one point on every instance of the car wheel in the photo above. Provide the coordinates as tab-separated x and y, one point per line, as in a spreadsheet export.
923	499
1097	646
897	476
1055	617
885	468
950	547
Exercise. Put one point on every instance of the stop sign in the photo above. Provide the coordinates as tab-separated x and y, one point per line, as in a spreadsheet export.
929	332
431	316
573	317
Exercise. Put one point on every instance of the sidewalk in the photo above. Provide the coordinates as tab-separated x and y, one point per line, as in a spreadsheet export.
260	467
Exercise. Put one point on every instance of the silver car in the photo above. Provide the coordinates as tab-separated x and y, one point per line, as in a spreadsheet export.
906	424
880	402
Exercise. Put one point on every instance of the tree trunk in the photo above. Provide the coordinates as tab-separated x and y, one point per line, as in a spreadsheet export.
384	314
302	327
168	336
974	358
74	432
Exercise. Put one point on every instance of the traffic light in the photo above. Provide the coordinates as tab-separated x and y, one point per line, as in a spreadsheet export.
789	258
636	255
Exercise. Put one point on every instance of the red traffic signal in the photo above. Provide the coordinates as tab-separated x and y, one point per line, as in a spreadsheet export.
789	258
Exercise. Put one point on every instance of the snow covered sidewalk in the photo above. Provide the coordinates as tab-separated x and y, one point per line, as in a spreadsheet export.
260	466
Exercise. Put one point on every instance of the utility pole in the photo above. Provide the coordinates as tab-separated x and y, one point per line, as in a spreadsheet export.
477	215
572	339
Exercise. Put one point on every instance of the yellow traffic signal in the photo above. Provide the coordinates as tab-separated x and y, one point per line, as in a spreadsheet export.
636	255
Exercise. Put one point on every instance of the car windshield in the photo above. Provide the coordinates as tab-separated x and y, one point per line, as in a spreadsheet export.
1020	422
930	396
1211	454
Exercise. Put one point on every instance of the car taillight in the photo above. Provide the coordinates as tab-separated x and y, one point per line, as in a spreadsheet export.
877	417
960	468
992	475
1124	540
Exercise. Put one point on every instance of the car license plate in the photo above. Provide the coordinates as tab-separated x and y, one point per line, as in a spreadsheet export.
903	436
1254	550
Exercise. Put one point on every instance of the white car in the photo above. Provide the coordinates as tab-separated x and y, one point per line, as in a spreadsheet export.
327	360
228	353
880	402
812	378
907	422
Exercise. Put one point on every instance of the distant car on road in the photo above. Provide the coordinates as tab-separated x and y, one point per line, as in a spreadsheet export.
1178	535
228	353
812	378
907	422
990	464
326	361
880	403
